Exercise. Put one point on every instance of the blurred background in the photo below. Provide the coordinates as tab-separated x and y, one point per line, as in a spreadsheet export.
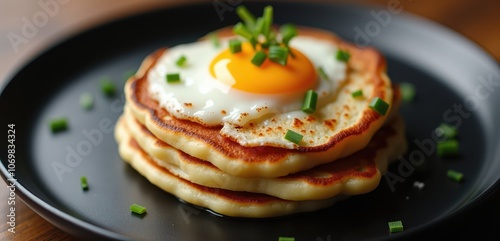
58	19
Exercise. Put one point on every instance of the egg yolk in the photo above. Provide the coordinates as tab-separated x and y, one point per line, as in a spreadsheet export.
236	70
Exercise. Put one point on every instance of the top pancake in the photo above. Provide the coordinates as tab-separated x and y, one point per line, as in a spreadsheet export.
347	125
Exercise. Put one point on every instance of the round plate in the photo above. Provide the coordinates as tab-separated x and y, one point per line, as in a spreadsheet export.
455	81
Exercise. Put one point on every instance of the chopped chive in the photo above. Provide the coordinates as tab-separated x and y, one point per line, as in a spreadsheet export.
108	87
243	31
259	26
278	54
214	38
447	131
395	226
86	101
286	239
137	209
259	58
58	124
357	93
84	184
309	104
246	16
455	176
288	31
379	105
181	61
268	21
407	91
293	136
235	46
322	73
173	78
343	55
447	148
127	74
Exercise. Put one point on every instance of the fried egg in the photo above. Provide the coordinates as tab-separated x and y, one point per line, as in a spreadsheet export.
218	88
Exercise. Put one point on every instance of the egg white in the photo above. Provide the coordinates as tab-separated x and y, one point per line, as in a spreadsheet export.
201	98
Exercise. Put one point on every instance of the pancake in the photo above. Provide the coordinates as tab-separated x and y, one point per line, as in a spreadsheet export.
356	174
350	126
225	202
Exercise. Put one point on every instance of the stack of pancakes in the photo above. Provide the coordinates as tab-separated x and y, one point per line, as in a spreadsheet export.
201	166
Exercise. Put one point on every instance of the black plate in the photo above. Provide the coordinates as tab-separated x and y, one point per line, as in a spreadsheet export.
448	71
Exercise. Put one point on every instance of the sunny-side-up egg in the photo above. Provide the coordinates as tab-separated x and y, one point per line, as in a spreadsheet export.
218	87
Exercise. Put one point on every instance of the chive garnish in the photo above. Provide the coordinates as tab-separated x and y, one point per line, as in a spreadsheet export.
137	209
278	54
309	104
293	136
268	21
455	176
322	73
86	101
243	31
235	46
246	16
58	124
173	78
395	226
259	58
255	29
343	55
288	31
447	131
357	94
379	105
286	239
108	87
83	183
447	148
181	61
259	26
214	38
407	91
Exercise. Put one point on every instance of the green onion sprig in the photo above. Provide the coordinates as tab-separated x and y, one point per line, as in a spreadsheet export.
455	176
173	78
181	61
447	148
310	100
235	46
343	55
108	87
278	54
408	91
83	183
86	101
286	239
259	32
395	226
137	209
293	136
357	94
259	58
58	124
379	105
322	73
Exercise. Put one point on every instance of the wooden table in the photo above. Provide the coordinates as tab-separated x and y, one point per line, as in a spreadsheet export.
478	21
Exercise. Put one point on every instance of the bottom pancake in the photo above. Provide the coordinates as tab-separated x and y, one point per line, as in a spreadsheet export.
353	175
